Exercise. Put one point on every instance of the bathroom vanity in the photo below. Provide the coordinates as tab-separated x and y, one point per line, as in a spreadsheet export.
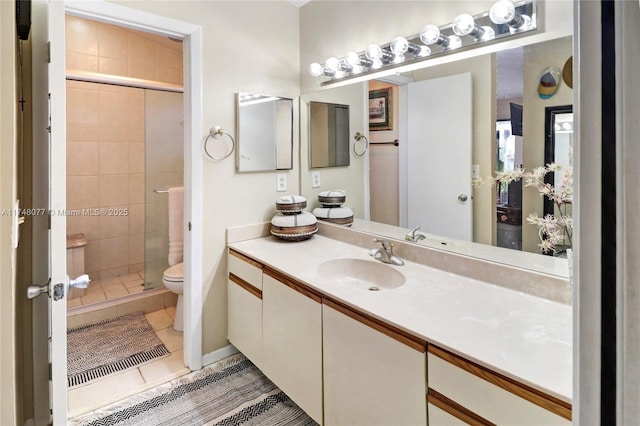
354	341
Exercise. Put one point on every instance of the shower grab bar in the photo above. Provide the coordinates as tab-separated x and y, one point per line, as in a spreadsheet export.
161	191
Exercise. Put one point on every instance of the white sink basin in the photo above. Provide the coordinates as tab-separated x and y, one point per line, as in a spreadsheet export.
364	274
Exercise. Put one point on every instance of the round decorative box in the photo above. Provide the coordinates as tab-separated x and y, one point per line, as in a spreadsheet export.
337	215
291	204
294	227
332	198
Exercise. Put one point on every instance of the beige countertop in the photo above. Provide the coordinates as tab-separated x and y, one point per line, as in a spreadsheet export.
524	337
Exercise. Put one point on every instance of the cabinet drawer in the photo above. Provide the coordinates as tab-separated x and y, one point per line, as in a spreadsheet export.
245	321
247	269
439	417
480	393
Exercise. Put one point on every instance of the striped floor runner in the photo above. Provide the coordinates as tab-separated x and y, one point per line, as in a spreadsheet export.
112	345
228	393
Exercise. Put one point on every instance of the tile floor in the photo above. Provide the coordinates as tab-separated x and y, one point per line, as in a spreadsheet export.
120	385
108	288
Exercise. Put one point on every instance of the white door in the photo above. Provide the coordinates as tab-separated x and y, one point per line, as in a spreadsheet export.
439	129
57	205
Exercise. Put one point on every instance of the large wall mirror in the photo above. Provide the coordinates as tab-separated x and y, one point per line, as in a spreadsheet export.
265	133
499	80
329	135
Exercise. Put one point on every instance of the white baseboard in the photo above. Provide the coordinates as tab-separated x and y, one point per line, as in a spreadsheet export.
221	353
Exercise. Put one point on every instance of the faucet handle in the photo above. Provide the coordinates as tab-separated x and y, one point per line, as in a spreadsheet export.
411	236
385	243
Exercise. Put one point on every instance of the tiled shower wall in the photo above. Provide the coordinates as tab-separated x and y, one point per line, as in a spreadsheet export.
106	140
105	171
107	49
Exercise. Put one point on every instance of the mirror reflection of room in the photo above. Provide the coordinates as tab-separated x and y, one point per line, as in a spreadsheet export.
507	132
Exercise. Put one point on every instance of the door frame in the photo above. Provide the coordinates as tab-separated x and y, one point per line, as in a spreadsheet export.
192	66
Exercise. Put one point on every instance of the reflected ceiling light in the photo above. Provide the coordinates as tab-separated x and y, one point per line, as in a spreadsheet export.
465	25
431	35
504	12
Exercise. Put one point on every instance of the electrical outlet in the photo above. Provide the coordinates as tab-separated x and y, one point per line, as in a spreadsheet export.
281	182
315	179
475	171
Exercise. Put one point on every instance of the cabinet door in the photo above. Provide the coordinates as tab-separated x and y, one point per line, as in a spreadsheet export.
292	344
244	319
369	377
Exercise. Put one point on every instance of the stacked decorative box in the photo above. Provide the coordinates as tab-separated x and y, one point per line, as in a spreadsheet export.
332	210
291	223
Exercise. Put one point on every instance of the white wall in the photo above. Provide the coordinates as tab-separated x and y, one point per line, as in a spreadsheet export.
247	47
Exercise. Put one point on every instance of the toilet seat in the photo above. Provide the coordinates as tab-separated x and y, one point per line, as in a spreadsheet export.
174	273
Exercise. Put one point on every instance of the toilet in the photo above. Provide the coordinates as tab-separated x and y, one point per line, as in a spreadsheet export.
173	279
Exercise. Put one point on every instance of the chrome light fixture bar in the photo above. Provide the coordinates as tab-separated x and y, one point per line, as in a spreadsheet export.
504	20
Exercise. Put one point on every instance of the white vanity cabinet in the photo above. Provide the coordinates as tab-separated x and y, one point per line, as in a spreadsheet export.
292	341
373	375
460	390
244	310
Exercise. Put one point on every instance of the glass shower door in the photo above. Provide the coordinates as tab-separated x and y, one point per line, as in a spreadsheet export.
164	168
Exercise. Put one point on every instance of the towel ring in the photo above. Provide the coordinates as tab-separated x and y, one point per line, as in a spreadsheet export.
359	137
217	133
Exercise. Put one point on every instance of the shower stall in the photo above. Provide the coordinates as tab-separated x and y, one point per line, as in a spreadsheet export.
124	150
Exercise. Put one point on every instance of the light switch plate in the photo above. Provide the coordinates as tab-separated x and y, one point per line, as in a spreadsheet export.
281	182
315	179
475	171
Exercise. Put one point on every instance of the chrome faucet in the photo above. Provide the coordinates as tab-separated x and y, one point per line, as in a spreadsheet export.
385	253
414	236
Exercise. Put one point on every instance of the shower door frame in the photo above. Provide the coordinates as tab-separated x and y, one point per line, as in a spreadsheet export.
192	67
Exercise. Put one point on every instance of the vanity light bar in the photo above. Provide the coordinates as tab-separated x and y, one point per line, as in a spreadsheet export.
504	19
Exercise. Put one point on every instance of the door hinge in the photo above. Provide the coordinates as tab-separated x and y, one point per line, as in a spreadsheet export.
49	221
50	372
189	226
48	52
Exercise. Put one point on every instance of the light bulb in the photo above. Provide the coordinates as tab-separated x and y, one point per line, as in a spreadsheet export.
454	42
373	52
399	45
332	64
398	59
430	35
315	69
422	51
504	12
352	59
464	25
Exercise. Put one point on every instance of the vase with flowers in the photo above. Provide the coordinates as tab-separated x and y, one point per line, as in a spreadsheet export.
555	230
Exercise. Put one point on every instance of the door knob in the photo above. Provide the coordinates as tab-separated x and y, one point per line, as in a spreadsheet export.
36	290
462	197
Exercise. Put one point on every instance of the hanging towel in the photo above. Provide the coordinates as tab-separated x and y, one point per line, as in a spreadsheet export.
176	225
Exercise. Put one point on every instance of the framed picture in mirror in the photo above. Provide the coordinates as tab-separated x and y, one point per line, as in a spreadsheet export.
380	109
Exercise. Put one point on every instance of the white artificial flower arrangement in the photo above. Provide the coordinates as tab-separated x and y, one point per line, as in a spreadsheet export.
555	230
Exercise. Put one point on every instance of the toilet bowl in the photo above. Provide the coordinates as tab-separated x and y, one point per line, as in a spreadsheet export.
173	279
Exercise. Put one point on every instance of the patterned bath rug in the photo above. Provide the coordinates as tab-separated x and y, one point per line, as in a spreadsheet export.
228	393
113	345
